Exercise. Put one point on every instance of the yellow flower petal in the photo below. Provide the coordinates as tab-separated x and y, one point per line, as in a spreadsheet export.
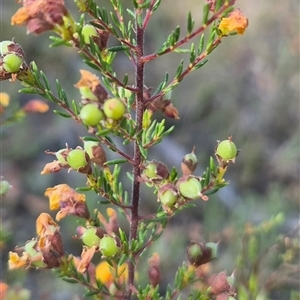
4	99
104	273
16	262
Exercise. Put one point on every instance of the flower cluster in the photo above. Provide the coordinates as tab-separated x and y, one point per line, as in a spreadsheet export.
44	15
45	251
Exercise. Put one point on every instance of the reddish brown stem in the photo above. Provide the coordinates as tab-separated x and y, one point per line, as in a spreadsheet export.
137	158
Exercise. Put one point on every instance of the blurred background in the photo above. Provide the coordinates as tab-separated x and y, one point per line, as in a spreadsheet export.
249	89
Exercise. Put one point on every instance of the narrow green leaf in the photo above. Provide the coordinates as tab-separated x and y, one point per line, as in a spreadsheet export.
90	139
135	4
144	5
34	67
162	84
75	107
28	90
83	189
181	50
130	12
45	79
179	69
168	131
211	39
207	176
61	93
170	87
103	132
201	44
144	151
190	23
115	162
156	5
218	4
65	115
201	64
115	19
210	192
48	94
212	164
70	280
111	142
122	260
125	79
177	34
58	42
91	293
206	8
192	53
118	48
92	65
130	176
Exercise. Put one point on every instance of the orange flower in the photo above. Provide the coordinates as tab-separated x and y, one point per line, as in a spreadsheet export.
235	22
45	224
36	106
105	273
70	203
62	193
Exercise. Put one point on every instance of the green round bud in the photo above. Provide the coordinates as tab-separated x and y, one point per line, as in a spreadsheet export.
114	108
90	238
4	46
194	251
189	187
108	246
168	198
189	163
4	187
76	159
12	63
91	115
87	32
150	171
226	150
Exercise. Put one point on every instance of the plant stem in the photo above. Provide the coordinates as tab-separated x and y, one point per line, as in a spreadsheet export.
137	158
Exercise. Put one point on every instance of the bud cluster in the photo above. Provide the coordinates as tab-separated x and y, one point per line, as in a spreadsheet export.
96	106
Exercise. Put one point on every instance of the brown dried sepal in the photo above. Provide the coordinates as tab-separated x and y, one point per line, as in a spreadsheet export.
99	156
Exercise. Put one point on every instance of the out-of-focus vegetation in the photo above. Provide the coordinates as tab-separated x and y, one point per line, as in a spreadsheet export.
249	89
